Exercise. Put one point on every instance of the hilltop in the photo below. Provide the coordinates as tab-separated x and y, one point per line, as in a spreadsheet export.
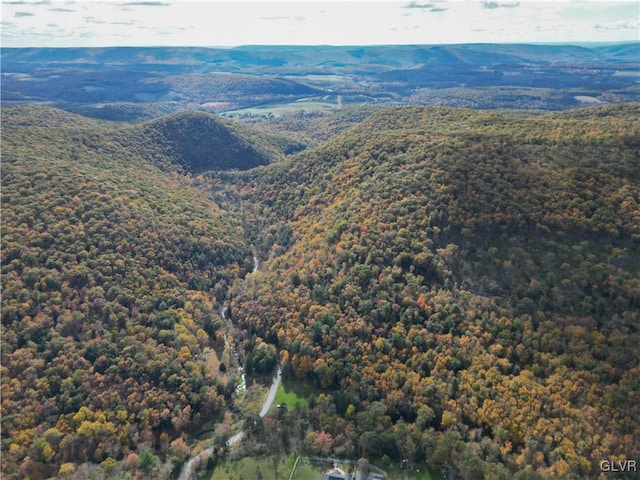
199	142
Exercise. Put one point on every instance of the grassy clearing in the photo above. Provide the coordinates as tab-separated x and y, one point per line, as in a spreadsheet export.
243	469
279	109
212	359
252	468
293	393
307	469
420	472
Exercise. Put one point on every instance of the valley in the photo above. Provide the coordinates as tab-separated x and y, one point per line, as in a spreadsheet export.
443	291
138	83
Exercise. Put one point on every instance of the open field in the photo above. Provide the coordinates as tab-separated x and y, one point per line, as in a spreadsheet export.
324	104
263	467
243	469
254	468
293	393
312	469
419	472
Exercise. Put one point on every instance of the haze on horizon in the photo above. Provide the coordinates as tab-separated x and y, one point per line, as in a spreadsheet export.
38	23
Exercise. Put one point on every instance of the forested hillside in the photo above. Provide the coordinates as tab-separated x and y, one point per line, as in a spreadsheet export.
463	285
200	142
112	272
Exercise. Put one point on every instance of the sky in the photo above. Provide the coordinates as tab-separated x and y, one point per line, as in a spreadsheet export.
28	23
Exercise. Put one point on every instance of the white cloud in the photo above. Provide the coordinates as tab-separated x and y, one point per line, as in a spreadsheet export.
23	2
493	5
146	4
150	22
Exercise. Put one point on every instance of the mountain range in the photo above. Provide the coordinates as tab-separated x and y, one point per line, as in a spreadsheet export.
138	83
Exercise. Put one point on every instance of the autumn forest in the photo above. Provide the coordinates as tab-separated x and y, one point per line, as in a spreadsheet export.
459	289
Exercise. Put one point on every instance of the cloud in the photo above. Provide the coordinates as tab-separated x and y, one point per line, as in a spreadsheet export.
628	25
430	7
23	14
23	2
57	9
93	20
418	5
494	5
297	18
146	4
170	30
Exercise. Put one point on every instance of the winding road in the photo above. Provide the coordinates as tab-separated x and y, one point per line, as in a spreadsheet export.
272	393
266	405
195	461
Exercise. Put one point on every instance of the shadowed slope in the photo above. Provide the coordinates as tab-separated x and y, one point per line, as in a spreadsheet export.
199	142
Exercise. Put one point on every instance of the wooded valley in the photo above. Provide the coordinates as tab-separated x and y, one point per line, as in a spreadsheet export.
461	288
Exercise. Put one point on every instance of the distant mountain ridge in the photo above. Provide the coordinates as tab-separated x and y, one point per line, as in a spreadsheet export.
98	81
284	57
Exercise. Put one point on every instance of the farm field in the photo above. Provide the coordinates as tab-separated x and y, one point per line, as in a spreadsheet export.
324	104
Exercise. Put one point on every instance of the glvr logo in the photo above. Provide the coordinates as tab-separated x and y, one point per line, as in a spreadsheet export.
619	466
